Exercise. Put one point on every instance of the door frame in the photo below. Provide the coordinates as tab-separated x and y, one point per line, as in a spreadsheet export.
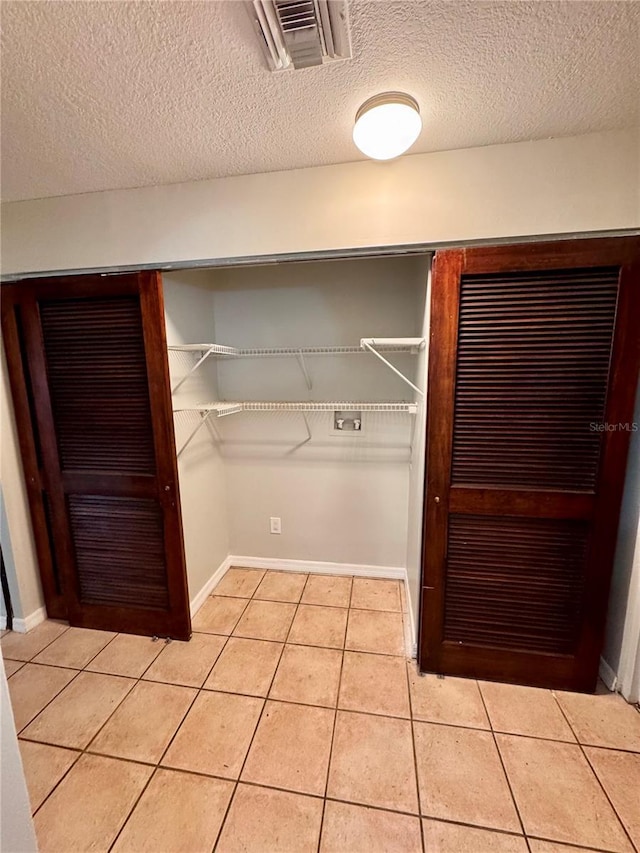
447	268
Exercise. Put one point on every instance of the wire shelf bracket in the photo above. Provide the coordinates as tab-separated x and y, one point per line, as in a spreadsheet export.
370	344
204	417
206	350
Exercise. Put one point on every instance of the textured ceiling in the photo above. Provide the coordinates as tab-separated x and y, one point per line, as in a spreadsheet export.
103	95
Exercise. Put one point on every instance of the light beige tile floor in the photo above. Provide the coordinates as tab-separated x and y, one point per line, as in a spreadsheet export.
293	722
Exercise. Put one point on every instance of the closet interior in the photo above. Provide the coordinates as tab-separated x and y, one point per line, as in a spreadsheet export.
298	398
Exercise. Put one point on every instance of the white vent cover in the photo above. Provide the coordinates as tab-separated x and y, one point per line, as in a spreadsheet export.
302	33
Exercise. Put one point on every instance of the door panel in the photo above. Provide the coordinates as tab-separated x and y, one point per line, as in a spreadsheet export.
532	349
95	356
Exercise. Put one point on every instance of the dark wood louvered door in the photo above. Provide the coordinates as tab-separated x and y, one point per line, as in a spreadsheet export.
533	369
89	375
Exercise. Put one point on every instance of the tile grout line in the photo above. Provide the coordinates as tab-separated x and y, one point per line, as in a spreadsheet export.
335	721
86	750
80	752
39	652
415	755
264	705
316	645
502	764
416	719
572	845
384	809
157	765
589	764
62	689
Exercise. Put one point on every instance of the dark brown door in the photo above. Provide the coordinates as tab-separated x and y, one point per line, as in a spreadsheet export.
88	366
533	369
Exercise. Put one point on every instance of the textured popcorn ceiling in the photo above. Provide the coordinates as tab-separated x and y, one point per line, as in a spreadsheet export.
101	95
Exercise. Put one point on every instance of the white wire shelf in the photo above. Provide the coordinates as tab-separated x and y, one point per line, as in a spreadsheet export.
384	344
375	346
221	409
212	349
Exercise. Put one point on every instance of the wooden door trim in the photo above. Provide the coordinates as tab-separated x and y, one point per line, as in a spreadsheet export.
53	484
155	344
550	671
443	337
621	394
483	500
594	252
80	286
12	298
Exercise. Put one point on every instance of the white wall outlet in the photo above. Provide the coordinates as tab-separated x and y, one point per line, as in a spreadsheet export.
275	525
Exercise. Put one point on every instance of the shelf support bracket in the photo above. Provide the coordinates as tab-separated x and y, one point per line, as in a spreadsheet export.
307	439
303	368
202	359
365	344
204	417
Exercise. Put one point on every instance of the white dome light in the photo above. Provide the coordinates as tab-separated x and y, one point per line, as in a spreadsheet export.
387	125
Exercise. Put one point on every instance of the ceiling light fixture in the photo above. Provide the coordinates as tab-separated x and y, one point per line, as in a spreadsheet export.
387	125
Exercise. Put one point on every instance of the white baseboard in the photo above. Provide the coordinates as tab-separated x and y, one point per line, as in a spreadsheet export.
207	589
21	626
410	636
313	567
608	675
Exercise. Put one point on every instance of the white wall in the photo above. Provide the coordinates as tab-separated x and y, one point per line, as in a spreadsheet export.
621	651
417	473
16	826
574	184
189	319
16	534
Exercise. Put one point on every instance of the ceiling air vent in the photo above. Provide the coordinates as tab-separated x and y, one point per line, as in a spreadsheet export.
302	33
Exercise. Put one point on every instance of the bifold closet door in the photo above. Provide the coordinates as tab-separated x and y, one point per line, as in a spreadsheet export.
88	365
533	370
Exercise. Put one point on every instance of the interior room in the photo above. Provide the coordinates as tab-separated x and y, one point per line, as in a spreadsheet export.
320	458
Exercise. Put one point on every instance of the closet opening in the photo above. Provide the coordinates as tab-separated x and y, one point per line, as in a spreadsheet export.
299	398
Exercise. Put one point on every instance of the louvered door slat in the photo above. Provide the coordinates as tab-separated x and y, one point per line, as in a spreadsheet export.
533	352
522	577
119	545
539	332
98	383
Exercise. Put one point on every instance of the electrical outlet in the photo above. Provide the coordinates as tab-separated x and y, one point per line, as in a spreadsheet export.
275	525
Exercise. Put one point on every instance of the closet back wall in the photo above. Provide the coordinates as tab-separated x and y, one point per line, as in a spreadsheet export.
342	498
